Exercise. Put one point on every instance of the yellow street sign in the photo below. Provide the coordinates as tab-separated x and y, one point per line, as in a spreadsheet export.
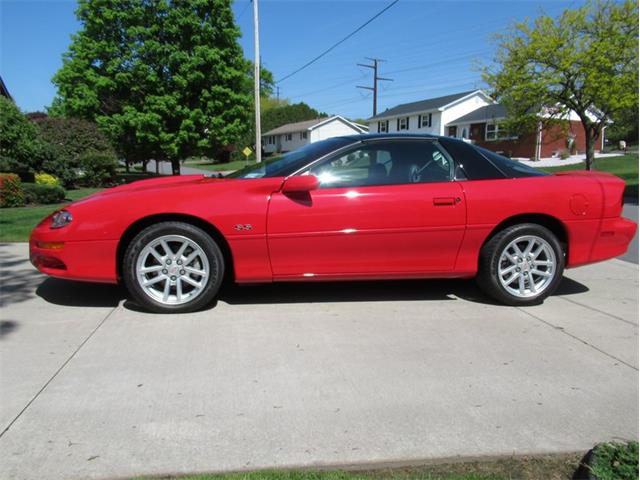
247	151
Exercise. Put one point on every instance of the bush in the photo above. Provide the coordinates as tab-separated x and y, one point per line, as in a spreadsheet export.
99	169
564	154
43	194
46	179
615	461
11	193
67	140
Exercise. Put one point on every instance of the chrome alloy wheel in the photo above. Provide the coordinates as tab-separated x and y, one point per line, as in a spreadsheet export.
527	266
172	269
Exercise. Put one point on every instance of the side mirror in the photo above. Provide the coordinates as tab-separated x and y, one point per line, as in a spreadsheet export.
300	184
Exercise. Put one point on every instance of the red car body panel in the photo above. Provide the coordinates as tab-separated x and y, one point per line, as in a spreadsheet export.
392	231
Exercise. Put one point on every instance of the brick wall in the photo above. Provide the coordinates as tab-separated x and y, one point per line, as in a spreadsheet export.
554	140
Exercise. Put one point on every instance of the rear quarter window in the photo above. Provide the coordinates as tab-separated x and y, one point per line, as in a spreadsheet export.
511	168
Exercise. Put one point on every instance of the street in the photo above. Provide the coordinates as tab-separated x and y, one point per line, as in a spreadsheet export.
309	375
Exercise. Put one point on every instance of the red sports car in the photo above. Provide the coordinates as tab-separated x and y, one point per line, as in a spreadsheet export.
355	207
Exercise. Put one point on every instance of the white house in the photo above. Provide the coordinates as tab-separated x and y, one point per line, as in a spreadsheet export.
295	135
476	117
432	115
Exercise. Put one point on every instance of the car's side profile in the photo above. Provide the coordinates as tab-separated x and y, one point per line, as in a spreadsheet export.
357	207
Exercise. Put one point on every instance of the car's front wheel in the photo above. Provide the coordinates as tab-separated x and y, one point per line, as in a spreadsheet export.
521	265
173	267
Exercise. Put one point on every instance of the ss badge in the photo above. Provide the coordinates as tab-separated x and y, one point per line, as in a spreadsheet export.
243	226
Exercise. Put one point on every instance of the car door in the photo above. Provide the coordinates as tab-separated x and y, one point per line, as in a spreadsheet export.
384	208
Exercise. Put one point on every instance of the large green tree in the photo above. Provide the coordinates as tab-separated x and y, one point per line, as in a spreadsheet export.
164	79
586	60
20	145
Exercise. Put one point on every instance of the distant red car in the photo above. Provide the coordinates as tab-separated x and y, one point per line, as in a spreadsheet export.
356	207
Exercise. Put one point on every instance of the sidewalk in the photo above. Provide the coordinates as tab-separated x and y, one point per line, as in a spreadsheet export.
309	375
558	162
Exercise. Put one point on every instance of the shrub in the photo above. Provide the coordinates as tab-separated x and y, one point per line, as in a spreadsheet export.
67	140
43	194
46	179
564	154
615	461
11	193
99	169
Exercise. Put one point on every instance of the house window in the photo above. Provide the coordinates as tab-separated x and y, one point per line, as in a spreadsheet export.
403	123
424	120
288	137
493	131
383	126
303	135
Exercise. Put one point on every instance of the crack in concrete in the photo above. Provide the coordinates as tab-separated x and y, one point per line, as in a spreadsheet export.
57	372
599	311
556	327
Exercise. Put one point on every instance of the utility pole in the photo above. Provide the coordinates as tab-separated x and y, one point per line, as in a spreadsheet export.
277	93
376	78
256	80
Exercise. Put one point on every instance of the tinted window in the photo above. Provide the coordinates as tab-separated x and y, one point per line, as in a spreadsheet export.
386	163
511	168
470	161
288	163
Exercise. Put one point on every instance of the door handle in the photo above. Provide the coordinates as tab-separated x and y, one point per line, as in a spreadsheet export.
440	201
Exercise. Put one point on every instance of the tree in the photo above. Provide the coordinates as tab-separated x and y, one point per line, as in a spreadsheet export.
585	61
164	79
20	145
67	140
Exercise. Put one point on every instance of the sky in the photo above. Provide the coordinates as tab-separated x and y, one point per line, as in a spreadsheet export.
429	48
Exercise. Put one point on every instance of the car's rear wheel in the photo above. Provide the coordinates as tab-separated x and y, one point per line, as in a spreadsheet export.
521	265
173	267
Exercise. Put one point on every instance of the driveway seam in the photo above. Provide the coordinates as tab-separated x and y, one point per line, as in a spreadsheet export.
57	372
599	311
563	330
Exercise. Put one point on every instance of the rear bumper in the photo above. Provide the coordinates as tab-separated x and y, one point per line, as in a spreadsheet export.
613	239
89	261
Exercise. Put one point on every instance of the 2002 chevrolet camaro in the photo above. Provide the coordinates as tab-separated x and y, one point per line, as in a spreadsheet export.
355	207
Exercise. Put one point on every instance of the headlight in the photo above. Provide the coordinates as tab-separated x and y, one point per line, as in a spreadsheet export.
61	219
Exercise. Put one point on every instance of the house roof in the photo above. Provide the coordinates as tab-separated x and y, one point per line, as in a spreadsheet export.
482	114
423	105
310	125
4	91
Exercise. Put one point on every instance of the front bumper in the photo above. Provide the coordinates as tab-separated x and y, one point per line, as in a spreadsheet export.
89	260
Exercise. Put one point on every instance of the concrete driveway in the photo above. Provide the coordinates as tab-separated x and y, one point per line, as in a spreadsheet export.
304	375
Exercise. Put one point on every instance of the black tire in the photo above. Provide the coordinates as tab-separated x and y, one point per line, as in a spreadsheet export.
194	234
488	266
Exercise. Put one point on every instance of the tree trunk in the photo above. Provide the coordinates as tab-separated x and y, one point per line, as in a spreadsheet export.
591	135
126	165
157	167
175	167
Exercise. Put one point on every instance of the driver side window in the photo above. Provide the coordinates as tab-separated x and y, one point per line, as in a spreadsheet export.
386	163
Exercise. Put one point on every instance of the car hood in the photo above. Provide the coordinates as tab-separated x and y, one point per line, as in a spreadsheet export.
152	184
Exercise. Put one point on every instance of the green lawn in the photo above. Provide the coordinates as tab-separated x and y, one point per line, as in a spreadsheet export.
550	467
625	167
218	167
17	223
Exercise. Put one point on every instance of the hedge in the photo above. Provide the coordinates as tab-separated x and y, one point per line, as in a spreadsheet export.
43	194
11	192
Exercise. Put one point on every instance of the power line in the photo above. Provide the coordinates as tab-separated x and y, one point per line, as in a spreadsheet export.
340	41
244	11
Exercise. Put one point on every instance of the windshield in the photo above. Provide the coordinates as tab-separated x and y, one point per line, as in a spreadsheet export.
511	168
288	163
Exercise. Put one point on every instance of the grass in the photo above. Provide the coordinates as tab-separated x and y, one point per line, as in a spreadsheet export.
625	167
16	223
218	167
550	467
615	461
